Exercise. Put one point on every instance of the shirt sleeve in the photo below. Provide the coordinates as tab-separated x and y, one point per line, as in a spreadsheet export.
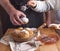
43	6
52	3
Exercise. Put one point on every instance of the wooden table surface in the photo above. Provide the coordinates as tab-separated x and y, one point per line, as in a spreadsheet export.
52	47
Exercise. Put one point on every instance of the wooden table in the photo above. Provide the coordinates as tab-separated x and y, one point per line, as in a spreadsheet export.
52	47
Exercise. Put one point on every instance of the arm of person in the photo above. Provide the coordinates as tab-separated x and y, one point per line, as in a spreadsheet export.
48	16
42	6
7	5
46	6
12	12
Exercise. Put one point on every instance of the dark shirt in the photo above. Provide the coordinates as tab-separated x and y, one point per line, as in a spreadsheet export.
35	19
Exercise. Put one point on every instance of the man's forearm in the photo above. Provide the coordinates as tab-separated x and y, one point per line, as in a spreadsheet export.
7	5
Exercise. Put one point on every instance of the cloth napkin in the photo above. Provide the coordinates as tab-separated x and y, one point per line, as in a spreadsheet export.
31	45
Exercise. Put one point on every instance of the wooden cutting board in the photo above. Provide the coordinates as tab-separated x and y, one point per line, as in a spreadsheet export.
51	47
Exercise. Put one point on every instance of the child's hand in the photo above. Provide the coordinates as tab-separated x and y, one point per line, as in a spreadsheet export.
31	3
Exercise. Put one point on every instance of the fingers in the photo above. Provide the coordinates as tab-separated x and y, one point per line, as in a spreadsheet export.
18	19
15	17
21	14
31	3
14	22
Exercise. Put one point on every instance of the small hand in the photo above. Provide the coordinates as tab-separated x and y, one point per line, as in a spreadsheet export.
31	3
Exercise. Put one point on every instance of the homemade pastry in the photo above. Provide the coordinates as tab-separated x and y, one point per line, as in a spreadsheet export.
22	34
25	20
47	35
48	39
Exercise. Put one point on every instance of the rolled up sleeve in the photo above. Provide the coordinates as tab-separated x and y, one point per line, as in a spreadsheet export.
43	6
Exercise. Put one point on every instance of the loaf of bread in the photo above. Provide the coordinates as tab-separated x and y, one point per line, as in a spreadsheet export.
47	35
22	34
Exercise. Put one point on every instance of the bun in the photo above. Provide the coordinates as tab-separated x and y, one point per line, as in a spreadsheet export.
15	34
48	39
25	20
47	35
22	34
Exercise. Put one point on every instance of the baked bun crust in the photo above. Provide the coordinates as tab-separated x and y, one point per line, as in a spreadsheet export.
22	34
48	39
47	35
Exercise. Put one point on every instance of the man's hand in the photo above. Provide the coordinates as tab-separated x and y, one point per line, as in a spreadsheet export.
12	12
15	17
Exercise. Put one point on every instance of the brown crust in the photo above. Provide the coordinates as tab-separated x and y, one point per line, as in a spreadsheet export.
48	35
22	36
49	39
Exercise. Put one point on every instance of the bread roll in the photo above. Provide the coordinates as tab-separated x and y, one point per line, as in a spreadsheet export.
25	20
22	34
47	35
50	39
15	33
